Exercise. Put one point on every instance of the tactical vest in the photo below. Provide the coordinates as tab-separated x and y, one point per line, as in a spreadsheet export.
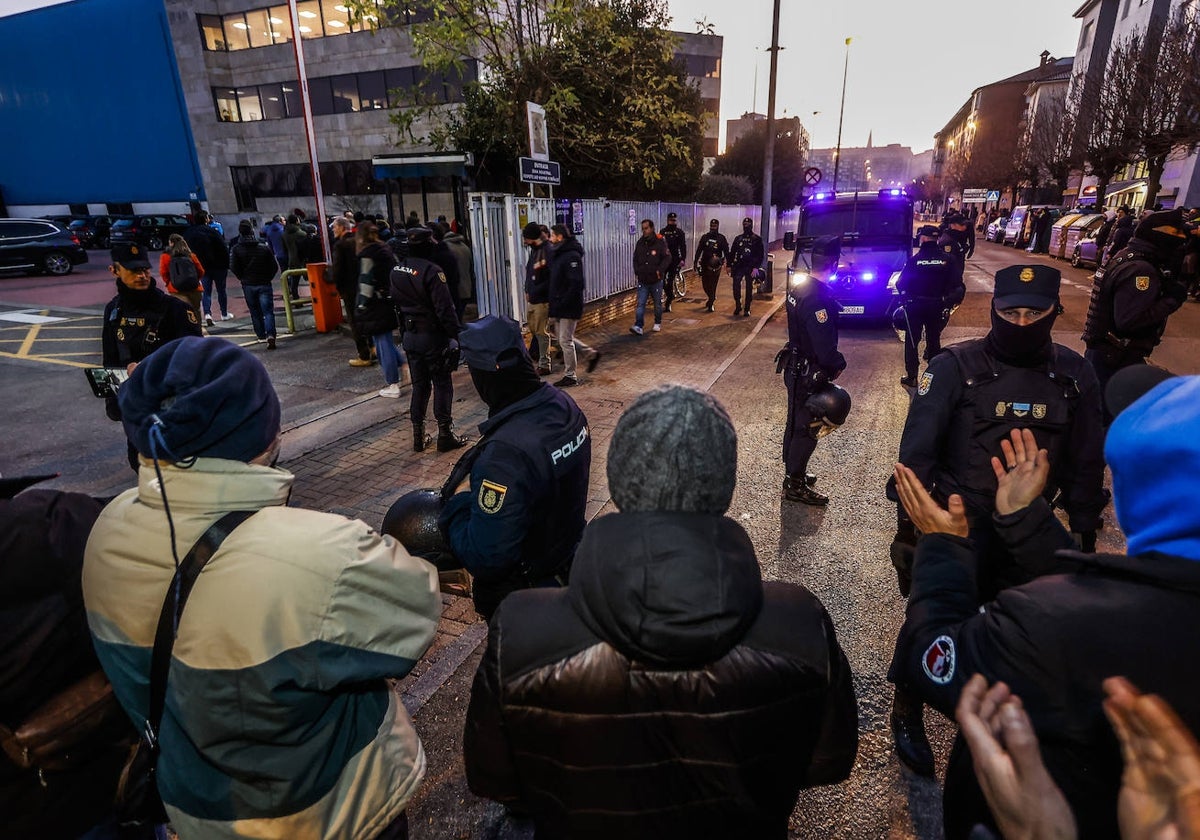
138	335
1099	328
998	398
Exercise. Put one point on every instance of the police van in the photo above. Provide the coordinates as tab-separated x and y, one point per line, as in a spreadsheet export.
876	230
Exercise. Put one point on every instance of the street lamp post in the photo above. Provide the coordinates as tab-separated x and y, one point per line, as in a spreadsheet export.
769	151
837	156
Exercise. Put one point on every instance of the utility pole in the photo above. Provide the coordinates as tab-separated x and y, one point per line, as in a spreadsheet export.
837	156
769	151
310	133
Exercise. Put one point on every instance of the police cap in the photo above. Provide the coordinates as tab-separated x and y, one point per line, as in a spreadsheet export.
957	219
492	343
928	230
672	216
130	255
419	235
1033	286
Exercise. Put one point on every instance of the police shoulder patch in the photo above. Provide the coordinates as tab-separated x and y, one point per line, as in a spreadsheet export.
491	496
938	660
191	315
948	248
442	277
822	316
1142	283
926	383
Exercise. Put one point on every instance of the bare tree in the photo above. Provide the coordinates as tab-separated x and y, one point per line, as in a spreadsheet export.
1045	150
1105	115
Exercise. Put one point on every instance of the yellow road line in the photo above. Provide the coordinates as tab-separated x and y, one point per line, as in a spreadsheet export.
30	337
47	360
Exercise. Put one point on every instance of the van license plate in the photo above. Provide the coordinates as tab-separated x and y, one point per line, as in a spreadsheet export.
853	310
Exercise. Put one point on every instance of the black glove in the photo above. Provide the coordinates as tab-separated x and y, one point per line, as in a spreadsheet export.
818	377
451	356
781	358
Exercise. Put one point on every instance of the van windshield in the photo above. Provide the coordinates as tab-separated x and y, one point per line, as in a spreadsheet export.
864	222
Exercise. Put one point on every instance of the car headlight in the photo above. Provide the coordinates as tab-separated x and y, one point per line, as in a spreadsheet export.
895	279
796	278
867	276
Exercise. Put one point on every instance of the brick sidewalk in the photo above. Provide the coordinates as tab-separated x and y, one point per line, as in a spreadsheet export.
361	474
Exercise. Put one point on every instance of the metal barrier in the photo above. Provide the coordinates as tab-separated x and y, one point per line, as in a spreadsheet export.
287	295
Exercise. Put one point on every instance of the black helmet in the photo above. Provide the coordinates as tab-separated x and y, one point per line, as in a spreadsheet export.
899	318
829	406
413	521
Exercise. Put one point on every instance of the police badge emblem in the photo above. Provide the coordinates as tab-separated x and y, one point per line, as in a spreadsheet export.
1039	411
1001	409
491	496
822	316
1141	283
938	660
926	383
1026	275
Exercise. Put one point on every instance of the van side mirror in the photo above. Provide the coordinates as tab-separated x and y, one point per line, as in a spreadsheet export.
789	240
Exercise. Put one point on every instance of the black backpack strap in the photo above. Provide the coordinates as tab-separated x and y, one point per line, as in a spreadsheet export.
975	365
1064	369
168	620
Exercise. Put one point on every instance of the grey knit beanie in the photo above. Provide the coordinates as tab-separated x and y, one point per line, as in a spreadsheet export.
674	449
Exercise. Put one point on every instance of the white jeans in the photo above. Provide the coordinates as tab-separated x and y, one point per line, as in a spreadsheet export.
572	348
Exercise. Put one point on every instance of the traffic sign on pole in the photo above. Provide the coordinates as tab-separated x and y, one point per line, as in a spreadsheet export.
540	171
812	176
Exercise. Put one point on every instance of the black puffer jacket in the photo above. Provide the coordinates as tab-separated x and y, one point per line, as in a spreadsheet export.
566	280
667	692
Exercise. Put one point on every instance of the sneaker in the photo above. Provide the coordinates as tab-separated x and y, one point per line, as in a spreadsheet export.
357	362
208	321
270	342
593	361
543	370
746	313
657	328
392	391
566	382
228	316
636	330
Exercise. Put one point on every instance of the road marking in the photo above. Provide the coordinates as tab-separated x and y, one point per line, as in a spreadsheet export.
27	318
30	337
48	360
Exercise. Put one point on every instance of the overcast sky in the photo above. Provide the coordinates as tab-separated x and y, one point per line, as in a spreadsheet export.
913	63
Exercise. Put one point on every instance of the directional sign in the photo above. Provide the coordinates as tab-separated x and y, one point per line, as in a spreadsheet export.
812	176
540	171
993	195
971	196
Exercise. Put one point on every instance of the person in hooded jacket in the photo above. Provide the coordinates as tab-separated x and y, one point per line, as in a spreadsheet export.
374	312
1122	232
969	399
252	262
520	521
1080	618
667	691
566	303
457	245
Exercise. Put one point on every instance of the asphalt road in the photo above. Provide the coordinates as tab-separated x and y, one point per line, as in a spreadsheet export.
839	552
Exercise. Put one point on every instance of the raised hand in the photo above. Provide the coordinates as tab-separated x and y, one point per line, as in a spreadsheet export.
1022	474
927	515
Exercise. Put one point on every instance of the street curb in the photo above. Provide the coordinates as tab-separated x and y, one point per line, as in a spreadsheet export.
455	654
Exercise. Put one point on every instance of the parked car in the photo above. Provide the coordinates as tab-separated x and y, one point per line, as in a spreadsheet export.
151	231
93	230
37	246
995	229
1018	230
1085	251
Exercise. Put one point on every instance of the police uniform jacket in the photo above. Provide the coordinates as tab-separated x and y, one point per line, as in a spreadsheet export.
968	400
566	280
423	301
520	522
1080	619
667	692
712	251
931	276
952	245
747	253
651	259
812	329
1131	300
677	243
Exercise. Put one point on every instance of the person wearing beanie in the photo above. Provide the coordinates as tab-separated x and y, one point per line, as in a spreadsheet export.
1082	617
968	400
668	691
1134	294
537	294
139	320
518	523
252	262
279	720
430	328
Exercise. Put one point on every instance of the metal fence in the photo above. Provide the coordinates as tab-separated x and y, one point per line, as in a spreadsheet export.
610	229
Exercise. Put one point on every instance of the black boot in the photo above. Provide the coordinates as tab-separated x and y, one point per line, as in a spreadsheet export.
447	440
809	479
908	732
420	439
797	489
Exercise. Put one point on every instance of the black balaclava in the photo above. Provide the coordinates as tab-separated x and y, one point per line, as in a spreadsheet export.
501	388
1022	346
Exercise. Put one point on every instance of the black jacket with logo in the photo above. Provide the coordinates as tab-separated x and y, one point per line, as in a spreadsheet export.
667	692
651	259
747	253
422	300
712	251
931	275
1080	619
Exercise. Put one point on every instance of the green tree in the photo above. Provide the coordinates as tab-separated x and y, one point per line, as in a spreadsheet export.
724	189
745	158
622	118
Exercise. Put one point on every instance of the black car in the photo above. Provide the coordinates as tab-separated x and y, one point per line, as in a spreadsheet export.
92	230
151	231
37	246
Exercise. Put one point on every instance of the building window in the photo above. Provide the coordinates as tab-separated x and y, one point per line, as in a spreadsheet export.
227	108
259	28
274	105
267	25
243	192
1085	36
211	32
345	94
309	13
702	66
372	91
237	32
249	105
285	180
320	96
399	84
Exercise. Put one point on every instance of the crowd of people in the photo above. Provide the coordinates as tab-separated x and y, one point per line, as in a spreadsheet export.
640	678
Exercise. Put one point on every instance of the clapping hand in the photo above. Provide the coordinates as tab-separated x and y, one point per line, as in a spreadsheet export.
1021	476
1024	799
1160	790
927	515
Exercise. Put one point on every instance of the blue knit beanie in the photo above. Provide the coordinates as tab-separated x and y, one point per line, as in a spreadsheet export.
208	398
1153	449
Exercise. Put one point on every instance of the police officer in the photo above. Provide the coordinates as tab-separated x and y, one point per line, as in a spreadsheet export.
139	320
676	241
1133	295
930	286
430	328
519	523
958	240
809	360
712	252
746	255
971	397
